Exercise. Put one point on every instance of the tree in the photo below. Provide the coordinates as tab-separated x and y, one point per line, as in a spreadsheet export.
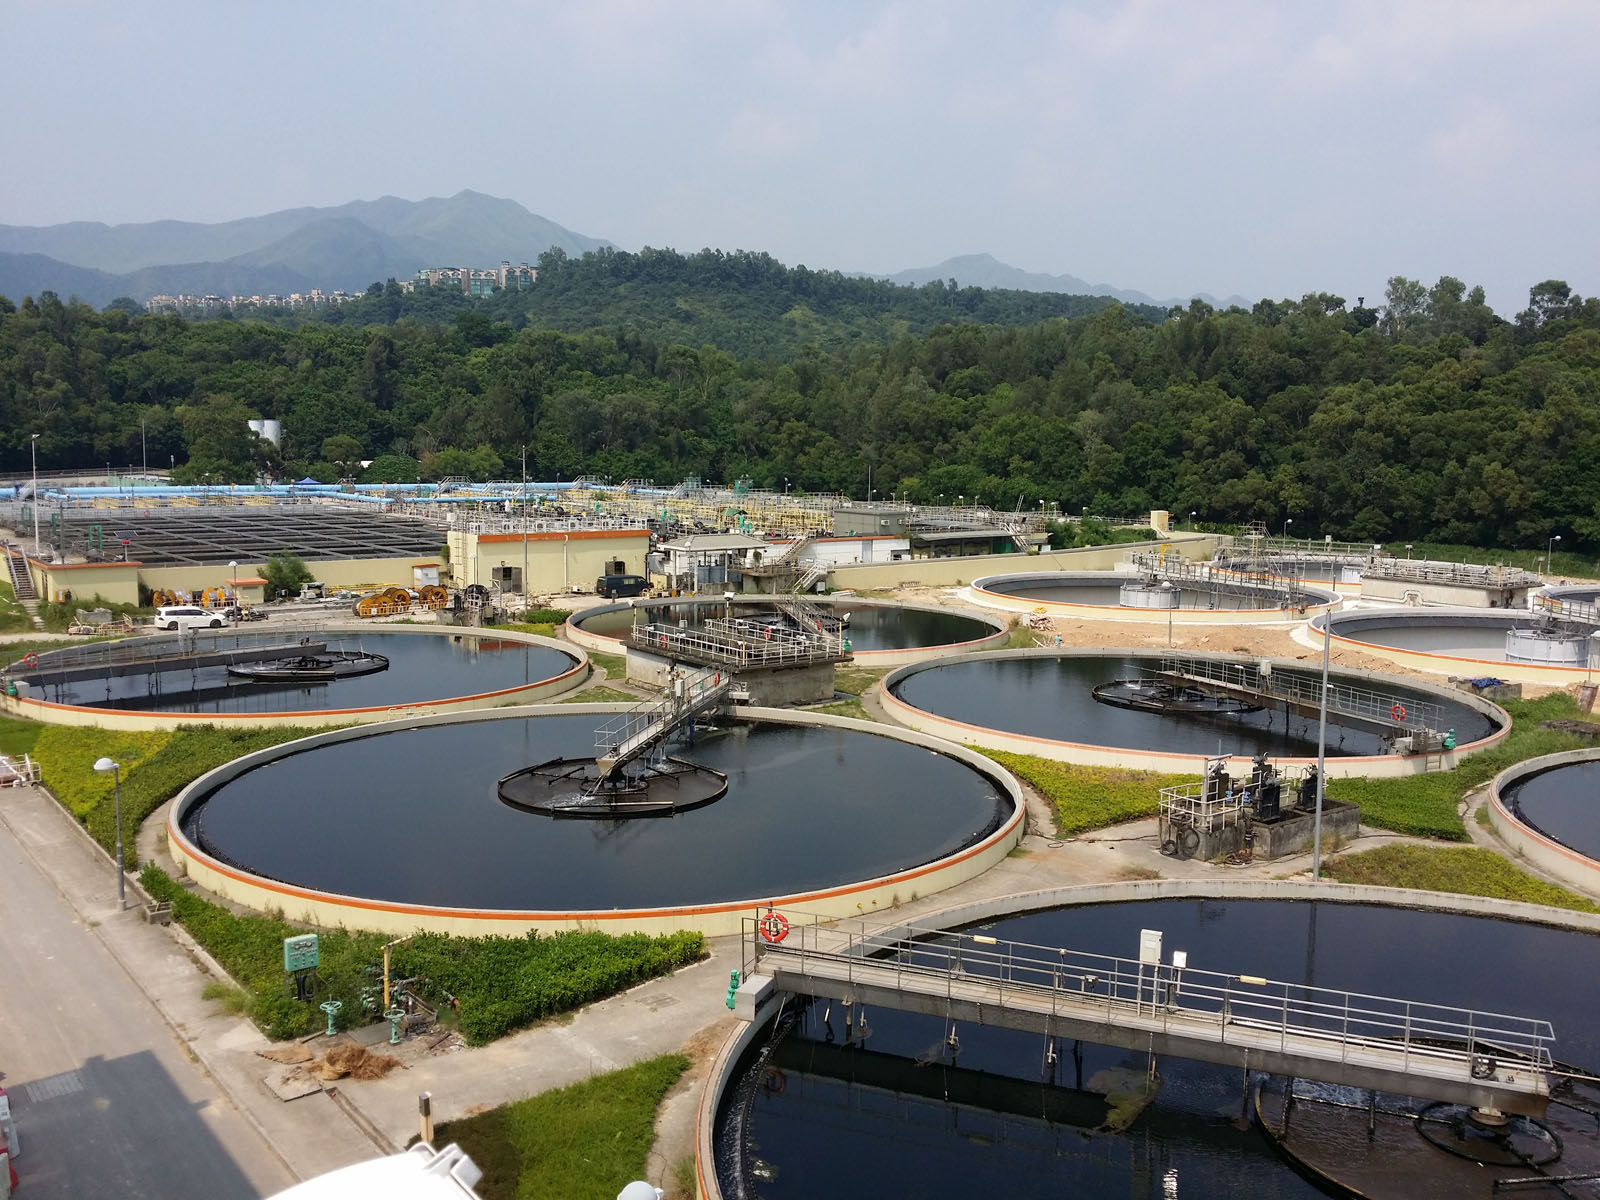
343	451
284	573
393	468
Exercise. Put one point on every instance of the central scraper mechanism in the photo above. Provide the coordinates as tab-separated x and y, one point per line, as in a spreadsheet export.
631	773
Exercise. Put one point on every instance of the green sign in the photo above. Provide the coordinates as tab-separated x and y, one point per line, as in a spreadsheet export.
300	953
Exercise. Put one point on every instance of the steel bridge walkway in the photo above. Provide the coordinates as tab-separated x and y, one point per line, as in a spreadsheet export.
181	652
1382	711
646	727
1436	1052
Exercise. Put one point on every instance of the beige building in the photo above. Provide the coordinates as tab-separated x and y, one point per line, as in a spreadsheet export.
554	561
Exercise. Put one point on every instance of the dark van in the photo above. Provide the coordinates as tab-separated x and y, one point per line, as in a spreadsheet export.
611	586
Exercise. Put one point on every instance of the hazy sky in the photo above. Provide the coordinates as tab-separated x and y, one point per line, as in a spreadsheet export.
1251	148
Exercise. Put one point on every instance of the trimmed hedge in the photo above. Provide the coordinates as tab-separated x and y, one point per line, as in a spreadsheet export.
499	984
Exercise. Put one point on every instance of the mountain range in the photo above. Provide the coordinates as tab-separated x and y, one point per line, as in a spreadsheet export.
986	271
295	250
349	246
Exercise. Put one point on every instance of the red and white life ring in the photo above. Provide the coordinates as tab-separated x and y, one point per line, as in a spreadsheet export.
774	926
30	660
1398	712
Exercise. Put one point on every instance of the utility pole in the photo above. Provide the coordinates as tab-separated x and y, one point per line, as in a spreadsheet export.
527	594
33	446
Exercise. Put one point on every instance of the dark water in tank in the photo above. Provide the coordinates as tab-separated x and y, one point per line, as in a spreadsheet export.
831	1128
1110	596
413	816
1050	698
1562	803
420	668
872	627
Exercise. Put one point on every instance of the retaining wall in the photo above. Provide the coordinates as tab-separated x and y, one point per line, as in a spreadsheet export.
1550	856
1338	767
334	910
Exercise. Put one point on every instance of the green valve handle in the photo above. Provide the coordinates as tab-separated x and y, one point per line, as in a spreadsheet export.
395	1015
733	986
331	1007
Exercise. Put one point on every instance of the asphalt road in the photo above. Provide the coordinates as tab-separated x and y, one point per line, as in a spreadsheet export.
105	1100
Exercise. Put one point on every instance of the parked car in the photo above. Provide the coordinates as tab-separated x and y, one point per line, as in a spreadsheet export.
611	586
185	616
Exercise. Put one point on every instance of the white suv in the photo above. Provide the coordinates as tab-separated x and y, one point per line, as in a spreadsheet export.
182	616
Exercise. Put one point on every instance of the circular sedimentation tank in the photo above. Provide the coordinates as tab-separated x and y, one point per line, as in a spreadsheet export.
1548	810
881	634
1102	595
851	1102
403	826
1341	575
373	673
1520	646
1041	702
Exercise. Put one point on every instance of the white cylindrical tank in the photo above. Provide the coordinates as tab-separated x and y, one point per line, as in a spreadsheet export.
1149	595
1554	648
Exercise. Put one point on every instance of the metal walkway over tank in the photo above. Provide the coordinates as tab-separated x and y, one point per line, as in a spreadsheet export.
153	656
1219	581
1576	612
638	732
1436	1052
1385	712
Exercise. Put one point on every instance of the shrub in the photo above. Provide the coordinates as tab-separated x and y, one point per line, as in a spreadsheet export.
500	984
1466	870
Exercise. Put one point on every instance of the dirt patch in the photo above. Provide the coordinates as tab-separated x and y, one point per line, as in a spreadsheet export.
353	1060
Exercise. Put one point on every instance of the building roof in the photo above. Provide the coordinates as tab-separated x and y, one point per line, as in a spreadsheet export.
715	543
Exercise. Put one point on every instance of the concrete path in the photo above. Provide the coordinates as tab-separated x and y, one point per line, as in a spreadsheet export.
106	1099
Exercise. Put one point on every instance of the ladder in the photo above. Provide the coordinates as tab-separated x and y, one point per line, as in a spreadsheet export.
641	730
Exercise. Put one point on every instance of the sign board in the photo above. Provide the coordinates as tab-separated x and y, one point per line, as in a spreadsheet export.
300	953
1150	945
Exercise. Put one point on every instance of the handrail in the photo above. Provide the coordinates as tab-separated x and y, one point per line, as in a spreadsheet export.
1193	998
1386	708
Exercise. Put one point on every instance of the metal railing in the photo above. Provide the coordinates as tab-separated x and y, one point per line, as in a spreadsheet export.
1421	570
724	647
1579	611
651	723
1345	700
1325	1022
1201	576
156	650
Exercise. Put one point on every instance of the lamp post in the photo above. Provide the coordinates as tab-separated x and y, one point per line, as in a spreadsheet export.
1192	516
1170	600
1322	751
1287	521
233	578
527	593
33	447
1550	553
103	765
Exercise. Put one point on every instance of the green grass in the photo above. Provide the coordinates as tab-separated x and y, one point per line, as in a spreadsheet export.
1428	805
614	665
1466	870
18	736
845	708
573	1143
856	681
13	617
499	983
600	694
542	628
155	767
1089	797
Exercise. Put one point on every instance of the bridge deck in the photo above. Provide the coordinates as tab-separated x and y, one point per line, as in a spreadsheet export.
1411	1048
154	659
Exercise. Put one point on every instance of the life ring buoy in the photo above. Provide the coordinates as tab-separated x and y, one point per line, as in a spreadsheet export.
30	660
774	926
1398	712
663	642
774	1081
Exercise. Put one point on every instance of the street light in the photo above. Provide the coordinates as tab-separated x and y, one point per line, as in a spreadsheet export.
103	765
1287	521
33	447
233	578
1550	553
1192	516
1170	601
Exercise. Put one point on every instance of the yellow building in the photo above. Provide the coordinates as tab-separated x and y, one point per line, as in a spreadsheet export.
554	561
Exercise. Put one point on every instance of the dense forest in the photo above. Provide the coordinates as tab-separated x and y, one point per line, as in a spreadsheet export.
1428	418
746	303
